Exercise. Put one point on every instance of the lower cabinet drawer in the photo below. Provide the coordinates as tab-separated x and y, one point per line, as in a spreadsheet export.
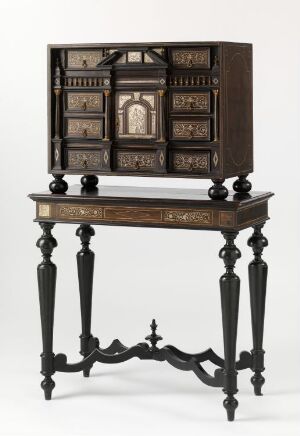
84	160
84	128
135	160
197	162
192	129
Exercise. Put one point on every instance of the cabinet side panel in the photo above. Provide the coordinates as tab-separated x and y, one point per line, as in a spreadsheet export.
237	126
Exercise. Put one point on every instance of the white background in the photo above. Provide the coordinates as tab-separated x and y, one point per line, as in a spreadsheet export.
141	273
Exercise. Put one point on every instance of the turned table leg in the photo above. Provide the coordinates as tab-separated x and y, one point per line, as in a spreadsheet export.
85	265
258	271
46	272
230	291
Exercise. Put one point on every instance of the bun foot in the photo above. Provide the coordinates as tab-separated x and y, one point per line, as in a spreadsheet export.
257	380
218	191
230	404
58	185
48	385
242	185
89	182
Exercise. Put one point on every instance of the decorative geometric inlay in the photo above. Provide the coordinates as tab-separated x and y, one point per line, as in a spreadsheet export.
44	210
105	157
215	159
84	101
147	59
84	58
161	158
189	161
82	212
190	129
56	154
135	160
190	58
149	98
106	81
134	56
226	219
162	81
87	159
78	127
187	217
123	98
199	101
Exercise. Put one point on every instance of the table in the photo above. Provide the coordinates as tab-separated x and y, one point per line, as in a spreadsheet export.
166	208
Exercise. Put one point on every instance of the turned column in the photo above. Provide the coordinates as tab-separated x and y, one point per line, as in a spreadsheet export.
46	273
230	292
85	265
258	271
161	126
107	115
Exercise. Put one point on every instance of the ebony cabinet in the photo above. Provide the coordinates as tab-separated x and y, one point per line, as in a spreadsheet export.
157	109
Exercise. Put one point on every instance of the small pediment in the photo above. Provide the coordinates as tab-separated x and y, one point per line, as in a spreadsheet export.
133	57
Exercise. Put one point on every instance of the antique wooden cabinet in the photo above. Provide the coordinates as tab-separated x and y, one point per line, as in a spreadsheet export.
151	109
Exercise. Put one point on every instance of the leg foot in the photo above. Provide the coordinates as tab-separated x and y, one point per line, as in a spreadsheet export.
89	182
48	385
86	372
257	381
58	185
230	404
242	185
218	191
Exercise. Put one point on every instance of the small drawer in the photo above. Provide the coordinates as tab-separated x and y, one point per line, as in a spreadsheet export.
82	59
191	129
191	58
84	128
135	160
84	160
197	162
190	102
84	101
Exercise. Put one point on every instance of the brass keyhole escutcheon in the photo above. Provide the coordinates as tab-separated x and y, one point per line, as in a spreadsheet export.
84	63
85	163
191	167
84	132
84	106
137	165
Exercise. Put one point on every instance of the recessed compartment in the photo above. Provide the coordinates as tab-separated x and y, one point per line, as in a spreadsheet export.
197	161
83	101
189	58
84	128
187	101
190	128
82	59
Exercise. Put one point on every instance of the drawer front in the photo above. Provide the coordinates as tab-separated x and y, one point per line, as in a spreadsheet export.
190	102
84	160
82	59
191	58
135	160
84	128
194	161
193	129
84	101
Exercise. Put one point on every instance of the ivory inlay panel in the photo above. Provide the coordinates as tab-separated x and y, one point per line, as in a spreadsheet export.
84	101
84	58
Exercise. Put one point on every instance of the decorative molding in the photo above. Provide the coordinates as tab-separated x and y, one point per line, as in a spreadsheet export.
83	81
84	58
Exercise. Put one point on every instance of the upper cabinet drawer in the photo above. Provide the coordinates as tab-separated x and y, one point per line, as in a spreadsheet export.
190	102
84	101
191	58
192	129
82	59
84	128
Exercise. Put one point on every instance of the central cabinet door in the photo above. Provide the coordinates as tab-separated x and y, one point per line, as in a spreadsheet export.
136	115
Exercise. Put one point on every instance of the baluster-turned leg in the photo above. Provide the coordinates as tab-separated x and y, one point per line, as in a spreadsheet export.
46	272
258	271
85	265
230	291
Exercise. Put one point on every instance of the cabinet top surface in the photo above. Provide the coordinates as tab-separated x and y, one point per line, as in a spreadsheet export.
168	195
148	44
